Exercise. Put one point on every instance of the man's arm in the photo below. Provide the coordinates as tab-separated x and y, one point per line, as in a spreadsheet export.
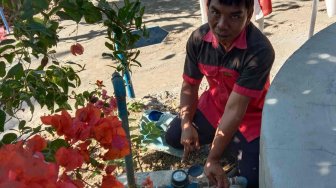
233	114
188	104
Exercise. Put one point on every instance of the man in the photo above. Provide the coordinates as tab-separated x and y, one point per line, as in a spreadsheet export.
236	59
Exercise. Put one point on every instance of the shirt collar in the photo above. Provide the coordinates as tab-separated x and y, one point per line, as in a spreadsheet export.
240	42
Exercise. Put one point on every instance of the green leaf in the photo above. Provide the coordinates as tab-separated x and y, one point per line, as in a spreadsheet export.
16	71
50	130
9	57
37	129
2	120
94	162
9	138
91	13
63	15
74	14
58	143
22	124
2	69
40	4
109	46
108	55
4	48
7	41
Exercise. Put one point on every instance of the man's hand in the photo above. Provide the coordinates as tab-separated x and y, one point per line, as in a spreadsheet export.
189	139
215	173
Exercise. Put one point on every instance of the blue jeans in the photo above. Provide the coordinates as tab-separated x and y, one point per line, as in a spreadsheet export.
246	153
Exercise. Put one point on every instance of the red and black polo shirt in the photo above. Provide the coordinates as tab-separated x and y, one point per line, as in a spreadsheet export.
244	69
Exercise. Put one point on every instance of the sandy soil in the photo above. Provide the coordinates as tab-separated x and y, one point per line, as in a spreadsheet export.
287	28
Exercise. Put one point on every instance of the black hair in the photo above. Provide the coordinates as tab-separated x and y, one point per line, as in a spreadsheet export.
248	3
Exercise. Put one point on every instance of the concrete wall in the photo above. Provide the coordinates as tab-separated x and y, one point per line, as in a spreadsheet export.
298	138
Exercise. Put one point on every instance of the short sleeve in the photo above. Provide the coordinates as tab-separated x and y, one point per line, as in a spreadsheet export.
191	73
255	73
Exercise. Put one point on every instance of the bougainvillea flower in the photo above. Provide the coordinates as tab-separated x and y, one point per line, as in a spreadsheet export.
148	183
111	181
110	169
69	158
89	114
104	94
115	153
2	33
66	182
83	150
113	103
36	143
120	141
99	83
18	164
99	104
85	119
62	123
105	129
77	49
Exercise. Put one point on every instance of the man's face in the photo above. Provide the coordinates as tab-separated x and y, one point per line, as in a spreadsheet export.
226	22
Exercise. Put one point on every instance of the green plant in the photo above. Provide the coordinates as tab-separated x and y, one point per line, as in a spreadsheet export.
30	73
120	23
34	36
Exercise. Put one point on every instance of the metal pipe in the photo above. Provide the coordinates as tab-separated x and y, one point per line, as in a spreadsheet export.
120	94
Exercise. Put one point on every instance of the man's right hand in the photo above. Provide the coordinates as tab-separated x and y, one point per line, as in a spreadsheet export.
189	139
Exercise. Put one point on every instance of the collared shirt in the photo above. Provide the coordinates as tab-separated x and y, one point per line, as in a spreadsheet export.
244	69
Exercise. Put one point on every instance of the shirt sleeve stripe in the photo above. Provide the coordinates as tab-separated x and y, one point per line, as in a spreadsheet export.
247	92
191	80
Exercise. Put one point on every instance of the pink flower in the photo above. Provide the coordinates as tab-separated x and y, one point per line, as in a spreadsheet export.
104	94
2	33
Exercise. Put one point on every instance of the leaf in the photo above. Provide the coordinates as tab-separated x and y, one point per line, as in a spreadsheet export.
58	143
74	14
63	15
37	129
16	71
2	69
4	48
22	124
109	46
91	13
52	52
106	55
9	57
9	138
40	4
7	41
50	130
2	120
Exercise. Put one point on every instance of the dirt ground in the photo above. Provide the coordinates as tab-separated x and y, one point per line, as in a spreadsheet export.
287	28
160	76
